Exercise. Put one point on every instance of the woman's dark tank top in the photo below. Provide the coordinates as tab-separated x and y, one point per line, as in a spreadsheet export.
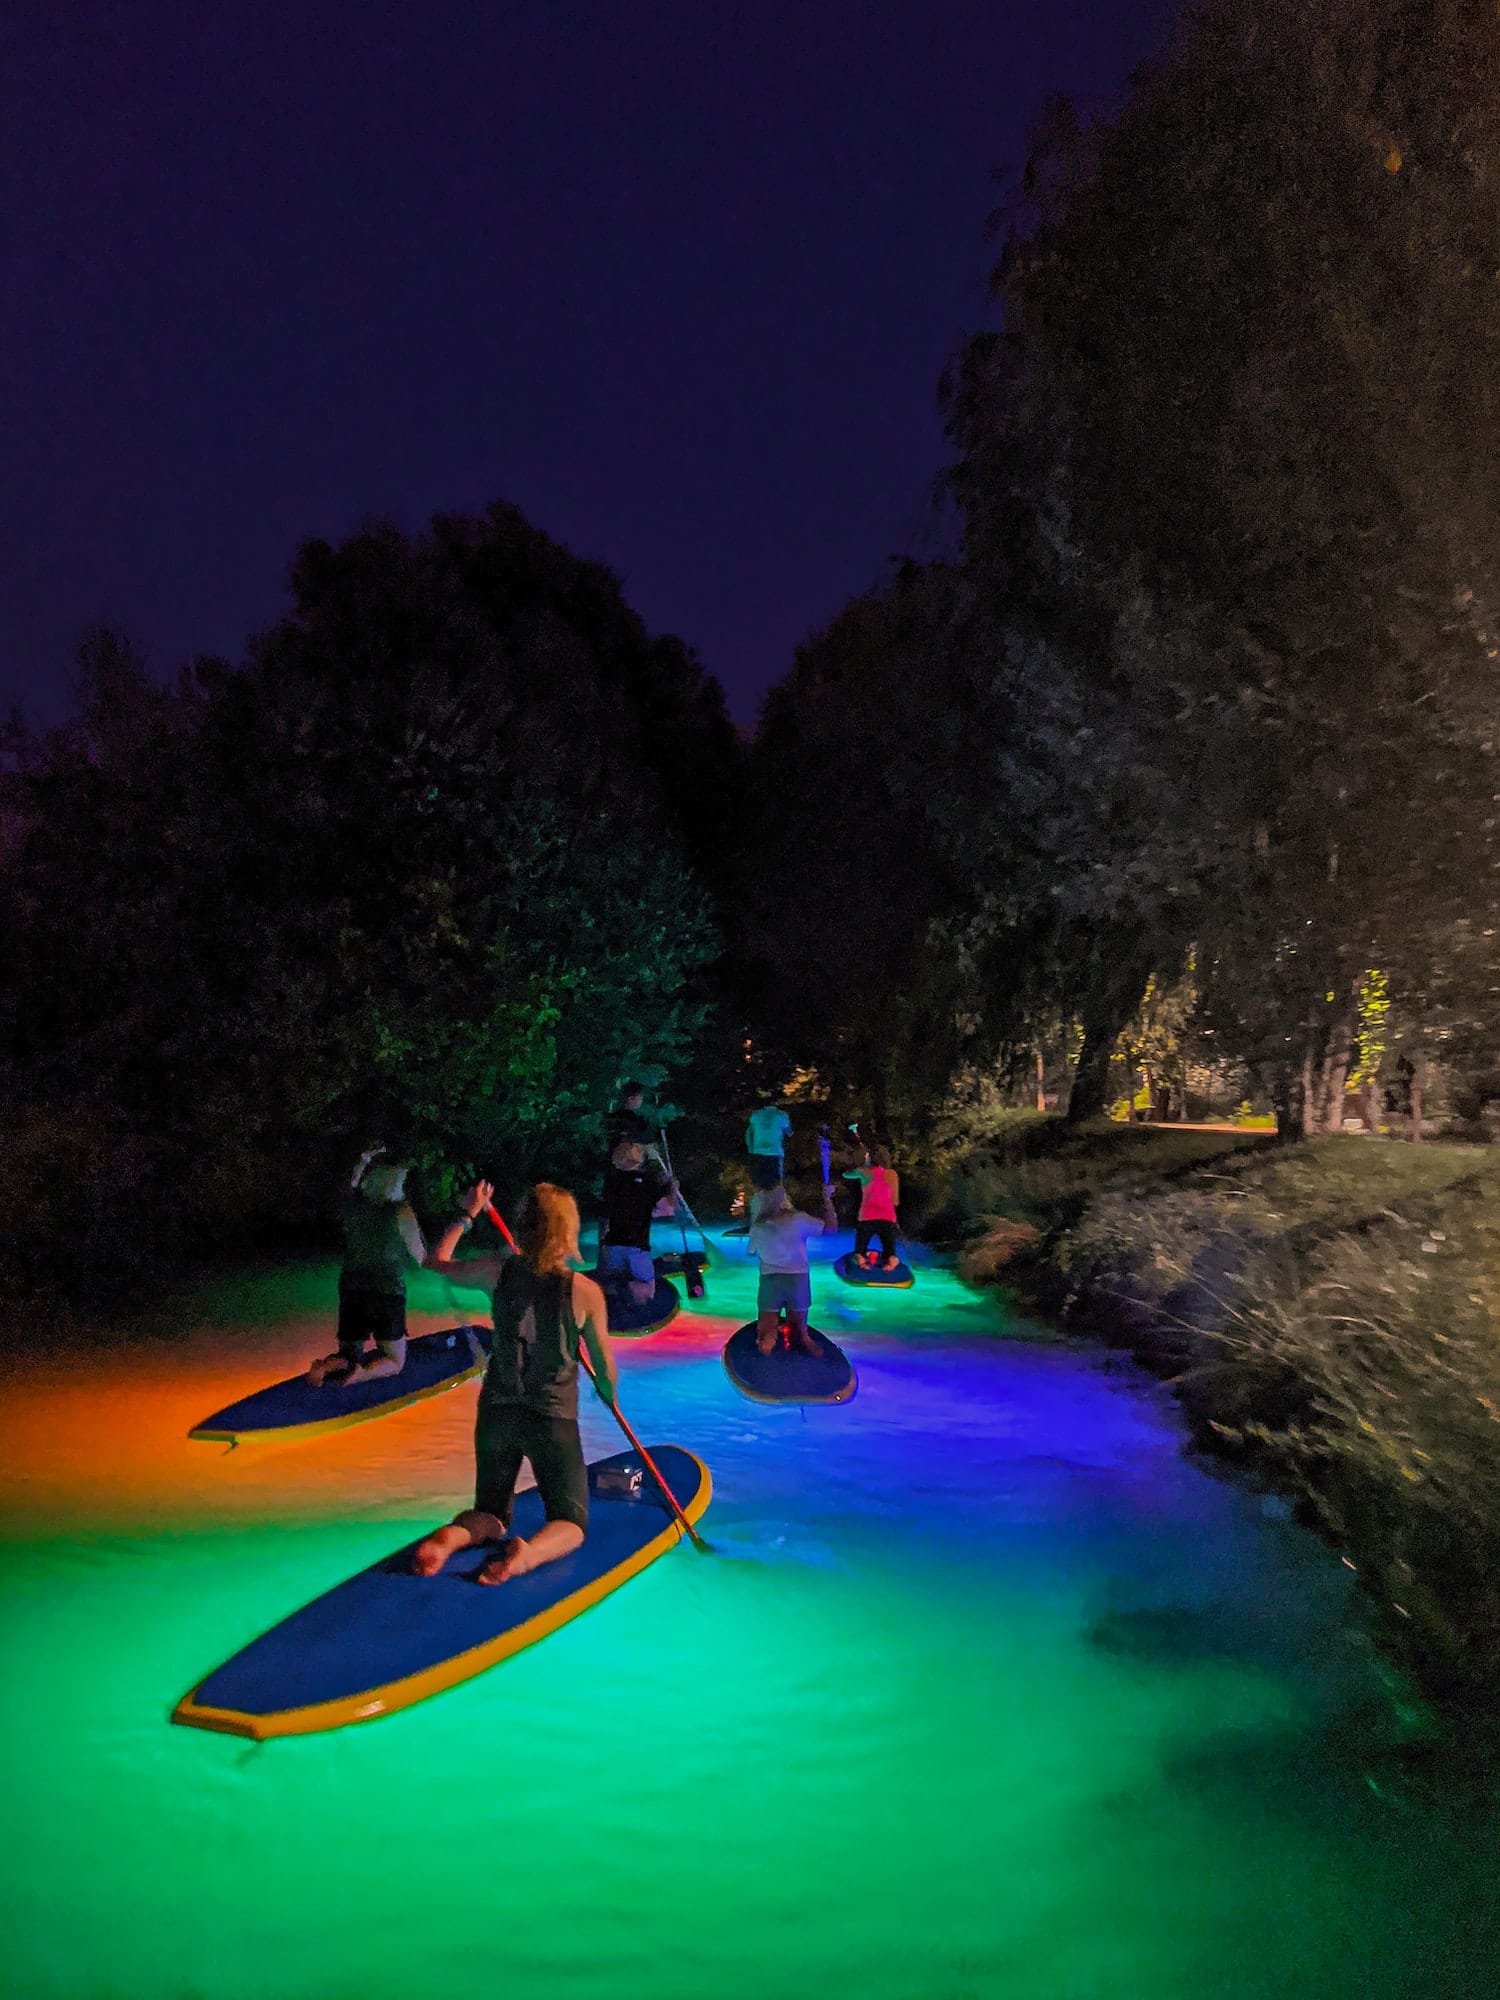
534	1352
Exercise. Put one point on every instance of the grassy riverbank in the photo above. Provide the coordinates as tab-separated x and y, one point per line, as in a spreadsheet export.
1329	1315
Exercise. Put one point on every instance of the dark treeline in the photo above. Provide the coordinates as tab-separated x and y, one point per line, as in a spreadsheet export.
1210	682
418	869
1201	704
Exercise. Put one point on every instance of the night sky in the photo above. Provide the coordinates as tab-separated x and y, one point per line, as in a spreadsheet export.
675	277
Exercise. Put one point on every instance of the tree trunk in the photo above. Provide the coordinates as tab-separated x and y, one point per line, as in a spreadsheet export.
1307	1107
1418	1086
1105	1015
1335	1069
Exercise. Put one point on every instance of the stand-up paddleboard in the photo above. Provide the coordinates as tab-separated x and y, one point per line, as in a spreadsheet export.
631	1320
786	1375
900	1280
295	1409
387	1638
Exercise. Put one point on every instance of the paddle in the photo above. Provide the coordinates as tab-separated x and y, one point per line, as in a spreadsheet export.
692	1271
619	1415
682	1201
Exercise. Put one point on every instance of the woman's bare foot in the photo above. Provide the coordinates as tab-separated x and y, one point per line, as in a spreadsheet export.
805	1344
430	1555
512	1558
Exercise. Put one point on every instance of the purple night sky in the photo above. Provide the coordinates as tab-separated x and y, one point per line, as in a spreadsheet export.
676	278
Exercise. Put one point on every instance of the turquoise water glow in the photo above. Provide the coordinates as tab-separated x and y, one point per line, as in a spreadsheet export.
985	1692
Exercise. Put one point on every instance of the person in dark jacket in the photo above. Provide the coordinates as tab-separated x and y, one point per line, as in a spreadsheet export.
636	1186
545	1313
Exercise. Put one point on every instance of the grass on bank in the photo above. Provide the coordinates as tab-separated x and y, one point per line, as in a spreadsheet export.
1329	1314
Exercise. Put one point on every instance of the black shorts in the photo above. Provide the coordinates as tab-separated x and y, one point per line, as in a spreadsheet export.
766	1170
886	1231
508	1432
373	1316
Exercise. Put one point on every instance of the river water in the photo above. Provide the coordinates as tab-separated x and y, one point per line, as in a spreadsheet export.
986	1691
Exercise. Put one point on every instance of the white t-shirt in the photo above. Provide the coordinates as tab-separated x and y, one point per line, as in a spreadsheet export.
767	1130
780	1241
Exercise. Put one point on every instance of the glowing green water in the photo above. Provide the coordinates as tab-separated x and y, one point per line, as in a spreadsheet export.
985	1693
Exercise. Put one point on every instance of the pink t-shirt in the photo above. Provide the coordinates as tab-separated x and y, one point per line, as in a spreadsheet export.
878	1202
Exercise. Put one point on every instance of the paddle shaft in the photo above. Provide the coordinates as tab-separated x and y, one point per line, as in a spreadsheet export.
619	1415
682	1202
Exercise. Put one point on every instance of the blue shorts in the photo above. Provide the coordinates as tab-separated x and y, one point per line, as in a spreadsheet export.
789	1291
623	1261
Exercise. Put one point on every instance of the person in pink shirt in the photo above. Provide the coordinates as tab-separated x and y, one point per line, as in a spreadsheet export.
881	1190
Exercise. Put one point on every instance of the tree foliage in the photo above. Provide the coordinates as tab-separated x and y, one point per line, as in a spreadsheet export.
1248	356
421	867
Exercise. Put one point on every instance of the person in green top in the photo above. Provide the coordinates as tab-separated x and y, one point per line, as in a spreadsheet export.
544	1313
380	1235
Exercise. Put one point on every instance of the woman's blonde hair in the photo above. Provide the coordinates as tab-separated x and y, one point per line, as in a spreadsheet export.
547	1229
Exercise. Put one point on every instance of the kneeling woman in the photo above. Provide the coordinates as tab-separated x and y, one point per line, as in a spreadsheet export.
528	1407
778	1237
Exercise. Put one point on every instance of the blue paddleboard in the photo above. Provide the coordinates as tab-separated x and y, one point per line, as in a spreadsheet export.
386	1638
900	1280
787	1376
630	1320
295	1409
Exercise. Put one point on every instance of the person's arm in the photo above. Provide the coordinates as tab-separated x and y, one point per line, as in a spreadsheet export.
592	1317
895	1179
830	1213
476	1273
362	1165
411	1234
860	1174
666	1190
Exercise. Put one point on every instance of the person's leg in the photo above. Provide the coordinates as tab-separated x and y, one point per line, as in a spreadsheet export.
863	1231
888	1245
768	1312
642	1277
498	1452
556	1452
390	1340
798	1305
331	1370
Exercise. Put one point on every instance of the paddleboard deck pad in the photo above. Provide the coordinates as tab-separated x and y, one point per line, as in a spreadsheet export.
630	1320
295	1409
786	1375
899	1280
387	1638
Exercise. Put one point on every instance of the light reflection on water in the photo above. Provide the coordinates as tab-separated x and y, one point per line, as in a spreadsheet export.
986	1691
